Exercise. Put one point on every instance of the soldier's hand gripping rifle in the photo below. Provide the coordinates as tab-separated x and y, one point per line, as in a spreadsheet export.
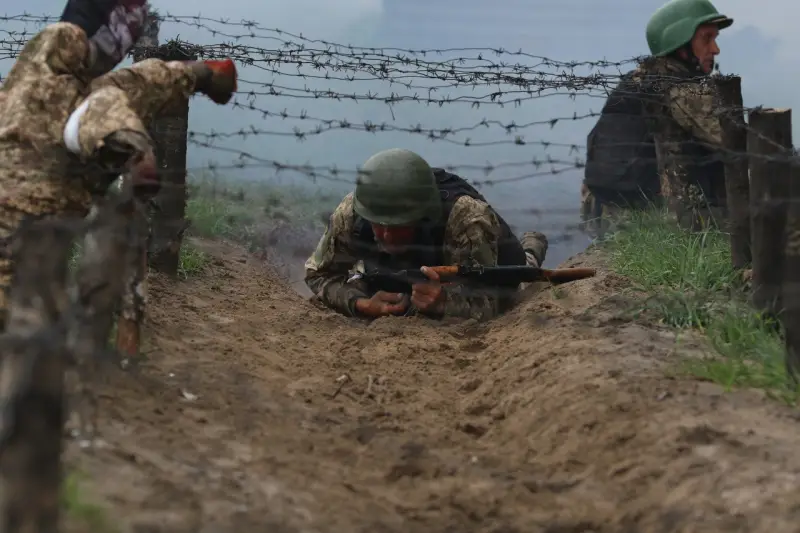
400	281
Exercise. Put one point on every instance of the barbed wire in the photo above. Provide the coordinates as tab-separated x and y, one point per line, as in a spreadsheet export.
391	65
287	40
124	232
539	166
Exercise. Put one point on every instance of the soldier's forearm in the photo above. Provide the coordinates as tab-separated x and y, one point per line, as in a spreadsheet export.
335	292
152	86
104	113
478	304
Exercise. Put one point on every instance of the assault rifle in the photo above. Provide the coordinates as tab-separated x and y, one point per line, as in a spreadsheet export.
400	281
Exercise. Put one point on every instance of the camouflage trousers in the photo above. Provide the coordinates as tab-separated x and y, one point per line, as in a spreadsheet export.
596	216
598	212
693	211
36	199
698	203
535	246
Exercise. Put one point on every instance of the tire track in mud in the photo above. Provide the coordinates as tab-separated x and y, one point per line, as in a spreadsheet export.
555	418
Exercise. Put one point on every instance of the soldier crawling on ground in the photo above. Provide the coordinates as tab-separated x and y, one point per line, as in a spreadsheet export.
69	127
663	110
404	214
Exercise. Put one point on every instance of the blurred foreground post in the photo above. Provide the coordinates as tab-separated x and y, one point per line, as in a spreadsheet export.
791	280
770	145
737	178
32	367
170	133
134	292
101	280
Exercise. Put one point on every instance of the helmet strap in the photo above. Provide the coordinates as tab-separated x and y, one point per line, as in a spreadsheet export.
688	59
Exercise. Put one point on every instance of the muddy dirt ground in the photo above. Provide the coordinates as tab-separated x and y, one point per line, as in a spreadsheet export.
256	411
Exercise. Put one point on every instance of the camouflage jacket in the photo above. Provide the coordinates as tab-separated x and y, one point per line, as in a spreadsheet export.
471	237
687	131
54	120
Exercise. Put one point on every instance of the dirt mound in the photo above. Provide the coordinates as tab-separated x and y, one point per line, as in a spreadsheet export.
256	411
285	246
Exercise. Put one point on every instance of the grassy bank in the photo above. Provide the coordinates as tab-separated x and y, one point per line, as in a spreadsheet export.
688	282
81	512
239	211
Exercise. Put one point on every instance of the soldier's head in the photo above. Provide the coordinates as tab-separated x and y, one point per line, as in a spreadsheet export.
687	30
112	26
396	192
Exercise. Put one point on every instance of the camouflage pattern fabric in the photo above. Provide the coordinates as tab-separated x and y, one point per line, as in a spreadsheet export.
593	218
686	112
597	216
471	236
52	126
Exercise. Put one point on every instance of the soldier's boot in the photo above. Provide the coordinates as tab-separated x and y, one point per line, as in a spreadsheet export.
535	246
216	79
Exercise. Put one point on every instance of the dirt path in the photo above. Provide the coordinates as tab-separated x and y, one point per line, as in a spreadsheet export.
557	418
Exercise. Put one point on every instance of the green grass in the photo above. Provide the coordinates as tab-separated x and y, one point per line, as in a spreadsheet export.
221	208
192	262
236	210
75	504
688	282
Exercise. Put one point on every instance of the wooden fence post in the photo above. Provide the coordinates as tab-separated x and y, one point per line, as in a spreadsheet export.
35	355
791	280
134	296
737	177
170	133
770	136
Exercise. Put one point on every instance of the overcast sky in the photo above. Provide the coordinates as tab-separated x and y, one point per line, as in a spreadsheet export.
761	47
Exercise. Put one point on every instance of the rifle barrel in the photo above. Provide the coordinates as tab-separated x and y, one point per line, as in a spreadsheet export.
564	275
523	273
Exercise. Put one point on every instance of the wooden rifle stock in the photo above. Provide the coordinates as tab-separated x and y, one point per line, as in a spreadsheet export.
523	273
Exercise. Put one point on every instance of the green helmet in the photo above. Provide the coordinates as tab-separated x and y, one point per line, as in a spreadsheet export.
675	23
395	188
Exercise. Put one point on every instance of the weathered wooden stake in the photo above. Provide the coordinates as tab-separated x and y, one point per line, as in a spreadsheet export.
791	278
134	294
170	133
770	136
32	366
737	177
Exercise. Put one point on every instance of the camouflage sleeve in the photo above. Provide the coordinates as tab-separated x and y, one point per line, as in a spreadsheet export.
328	267
471	237
152	86
60	48
102	113
692	105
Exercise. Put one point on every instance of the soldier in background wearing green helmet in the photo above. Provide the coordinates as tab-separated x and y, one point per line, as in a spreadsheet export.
404	214
682	36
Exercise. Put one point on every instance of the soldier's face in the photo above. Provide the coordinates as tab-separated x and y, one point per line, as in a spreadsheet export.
704	46
393	239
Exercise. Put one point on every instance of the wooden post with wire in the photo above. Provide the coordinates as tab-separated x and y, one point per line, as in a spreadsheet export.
135	267
790	316
770	146
737	176
170	132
